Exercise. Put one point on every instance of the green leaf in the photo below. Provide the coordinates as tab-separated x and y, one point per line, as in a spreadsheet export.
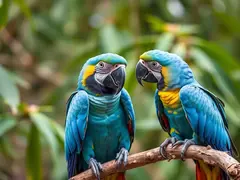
223	59
44	125
48	28
109	38
233	114
59	170
165	41
148	125
156	23
179	49
6	124
4	7
112	40
202	59
138	173
33	155
58	130
205	62
87	50
188	29
60	11
24	7
8	89
6	147
231	23
19	80
218	54
146	41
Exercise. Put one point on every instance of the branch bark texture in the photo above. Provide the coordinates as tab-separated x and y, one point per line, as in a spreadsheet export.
207	154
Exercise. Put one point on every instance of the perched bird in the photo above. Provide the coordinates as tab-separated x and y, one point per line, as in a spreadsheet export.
188	112
100	119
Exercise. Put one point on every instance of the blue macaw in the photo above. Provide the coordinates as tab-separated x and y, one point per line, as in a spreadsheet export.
100	119
188	112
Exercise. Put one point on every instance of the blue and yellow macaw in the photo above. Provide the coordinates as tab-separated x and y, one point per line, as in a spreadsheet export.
100	120
189	113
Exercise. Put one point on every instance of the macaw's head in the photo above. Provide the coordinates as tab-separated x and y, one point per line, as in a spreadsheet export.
168	70
103	74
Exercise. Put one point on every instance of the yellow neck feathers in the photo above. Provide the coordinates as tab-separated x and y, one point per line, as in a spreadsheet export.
88	72
170	98
165	76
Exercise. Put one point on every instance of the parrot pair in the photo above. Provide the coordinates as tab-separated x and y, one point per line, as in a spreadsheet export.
100	119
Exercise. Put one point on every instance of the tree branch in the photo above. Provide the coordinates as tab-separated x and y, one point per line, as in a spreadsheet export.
207	154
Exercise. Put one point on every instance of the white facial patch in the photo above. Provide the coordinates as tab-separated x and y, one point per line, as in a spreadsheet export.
157	75
100	77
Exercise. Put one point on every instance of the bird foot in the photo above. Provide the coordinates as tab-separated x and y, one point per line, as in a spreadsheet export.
122	157
96	167
162	148
186	143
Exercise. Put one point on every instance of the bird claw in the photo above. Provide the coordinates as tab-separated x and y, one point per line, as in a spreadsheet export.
177	143
122	157
186	143
96	167
162	148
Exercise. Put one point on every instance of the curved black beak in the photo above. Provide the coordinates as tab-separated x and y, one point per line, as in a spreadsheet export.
116	79
143	73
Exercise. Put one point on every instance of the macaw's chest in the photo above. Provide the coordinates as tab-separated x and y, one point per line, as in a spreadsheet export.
175	113
106	132
106	115
170	99
106	124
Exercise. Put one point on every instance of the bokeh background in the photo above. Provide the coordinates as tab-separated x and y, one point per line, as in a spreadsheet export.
44	43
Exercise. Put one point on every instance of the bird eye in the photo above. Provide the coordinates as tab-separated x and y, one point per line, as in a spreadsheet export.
101	64
154	64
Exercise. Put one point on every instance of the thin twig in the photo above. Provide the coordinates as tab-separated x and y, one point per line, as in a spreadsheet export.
207	154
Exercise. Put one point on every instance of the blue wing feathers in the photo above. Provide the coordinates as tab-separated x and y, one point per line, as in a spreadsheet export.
205	117
126	100
128	107
219	103
71	164
220	106
75	128
82	124
201	126
193	113
69	101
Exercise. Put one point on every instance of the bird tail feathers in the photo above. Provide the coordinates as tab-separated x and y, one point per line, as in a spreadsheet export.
208	172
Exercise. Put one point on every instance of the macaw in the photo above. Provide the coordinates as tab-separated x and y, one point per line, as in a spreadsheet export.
100	119
188	112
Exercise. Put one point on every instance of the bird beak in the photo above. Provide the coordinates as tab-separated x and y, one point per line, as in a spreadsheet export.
144	73
115	79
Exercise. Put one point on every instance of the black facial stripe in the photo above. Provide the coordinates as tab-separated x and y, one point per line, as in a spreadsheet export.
92	85
160	84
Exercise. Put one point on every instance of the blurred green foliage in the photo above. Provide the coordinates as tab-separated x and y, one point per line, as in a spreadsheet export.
44	44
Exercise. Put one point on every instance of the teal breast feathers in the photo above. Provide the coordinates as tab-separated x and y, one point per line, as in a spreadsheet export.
104	105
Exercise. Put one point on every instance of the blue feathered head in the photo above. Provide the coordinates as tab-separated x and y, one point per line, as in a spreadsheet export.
168	70
103	74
